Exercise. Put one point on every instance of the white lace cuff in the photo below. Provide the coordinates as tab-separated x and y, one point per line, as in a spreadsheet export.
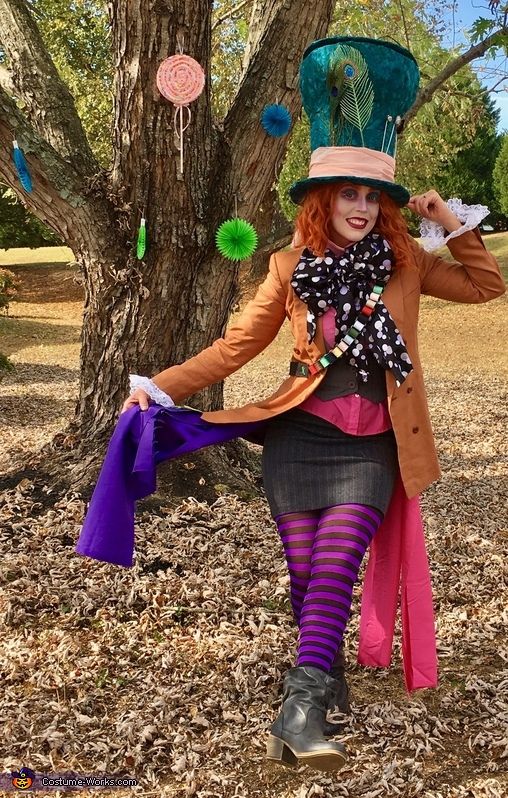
152	390
433	234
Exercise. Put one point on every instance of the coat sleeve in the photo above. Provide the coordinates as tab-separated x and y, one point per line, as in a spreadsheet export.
253	331
473	277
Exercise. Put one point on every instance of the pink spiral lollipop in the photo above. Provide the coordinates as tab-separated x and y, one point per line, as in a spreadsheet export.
180	79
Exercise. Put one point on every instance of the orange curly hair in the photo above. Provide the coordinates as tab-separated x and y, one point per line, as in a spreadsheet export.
312	225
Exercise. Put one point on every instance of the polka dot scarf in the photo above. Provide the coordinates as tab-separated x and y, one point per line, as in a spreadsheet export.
345	282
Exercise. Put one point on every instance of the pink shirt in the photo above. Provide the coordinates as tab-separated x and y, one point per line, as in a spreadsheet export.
353	414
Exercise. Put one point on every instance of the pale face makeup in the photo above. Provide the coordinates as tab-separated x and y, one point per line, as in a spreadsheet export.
354	213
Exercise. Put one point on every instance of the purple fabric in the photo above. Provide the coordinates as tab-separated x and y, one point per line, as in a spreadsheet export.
141	440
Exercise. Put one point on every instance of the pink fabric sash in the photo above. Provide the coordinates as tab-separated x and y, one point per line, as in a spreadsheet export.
398	565
352	162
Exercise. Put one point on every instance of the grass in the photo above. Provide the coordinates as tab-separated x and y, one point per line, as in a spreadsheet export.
497	243
16	256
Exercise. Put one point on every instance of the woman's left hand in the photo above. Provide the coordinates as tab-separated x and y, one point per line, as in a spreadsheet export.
431	206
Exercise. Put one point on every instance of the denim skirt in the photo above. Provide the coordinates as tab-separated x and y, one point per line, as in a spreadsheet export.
309	464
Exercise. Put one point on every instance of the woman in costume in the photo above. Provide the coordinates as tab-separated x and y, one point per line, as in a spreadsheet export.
349	428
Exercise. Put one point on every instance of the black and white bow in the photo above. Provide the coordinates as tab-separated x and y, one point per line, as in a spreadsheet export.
345	282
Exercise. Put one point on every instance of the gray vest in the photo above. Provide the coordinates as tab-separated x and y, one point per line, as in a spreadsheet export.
341	380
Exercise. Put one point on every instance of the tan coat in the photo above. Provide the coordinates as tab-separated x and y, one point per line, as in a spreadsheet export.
474	277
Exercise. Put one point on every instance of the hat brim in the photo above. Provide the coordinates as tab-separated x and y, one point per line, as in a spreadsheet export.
299	189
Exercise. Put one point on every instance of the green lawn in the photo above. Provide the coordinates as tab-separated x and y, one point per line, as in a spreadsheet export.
18	255
497	243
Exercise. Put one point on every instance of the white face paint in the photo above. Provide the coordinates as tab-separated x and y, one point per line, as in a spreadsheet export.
354	213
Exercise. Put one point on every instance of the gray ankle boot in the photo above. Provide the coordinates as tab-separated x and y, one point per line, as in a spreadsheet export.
339	698
297	736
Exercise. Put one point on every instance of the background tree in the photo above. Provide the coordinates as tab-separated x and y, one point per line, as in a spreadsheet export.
18	227
501	175
469	174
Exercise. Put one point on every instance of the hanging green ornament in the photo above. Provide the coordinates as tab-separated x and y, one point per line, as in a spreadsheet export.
141	245
236	239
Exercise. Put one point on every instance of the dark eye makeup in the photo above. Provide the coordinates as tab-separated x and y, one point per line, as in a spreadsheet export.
351	193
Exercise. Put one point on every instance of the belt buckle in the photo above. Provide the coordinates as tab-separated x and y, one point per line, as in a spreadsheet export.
301	370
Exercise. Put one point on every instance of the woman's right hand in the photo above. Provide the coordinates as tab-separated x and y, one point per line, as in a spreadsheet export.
140	397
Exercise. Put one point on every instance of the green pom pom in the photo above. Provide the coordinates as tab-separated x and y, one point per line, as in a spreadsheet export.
236	239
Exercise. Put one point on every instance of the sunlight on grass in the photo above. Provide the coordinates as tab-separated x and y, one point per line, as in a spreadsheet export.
497	243
19	255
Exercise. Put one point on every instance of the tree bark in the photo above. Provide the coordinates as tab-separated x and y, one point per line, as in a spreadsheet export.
36	82
274	230
140	317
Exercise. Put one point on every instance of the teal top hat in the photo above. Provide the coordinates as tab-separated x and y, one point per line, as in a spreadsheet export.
355	92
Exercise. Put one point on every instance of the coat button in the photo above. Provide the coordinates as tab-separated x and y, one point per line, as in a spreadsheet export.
415	429
297	352
409	390
351	385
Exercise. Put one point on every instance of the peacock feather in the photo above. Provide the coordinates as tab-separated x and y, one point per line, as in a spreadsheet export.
350	91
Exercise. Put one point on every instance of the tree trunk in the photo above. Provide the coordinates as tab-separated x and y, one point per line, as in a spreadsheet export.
142	316
275	232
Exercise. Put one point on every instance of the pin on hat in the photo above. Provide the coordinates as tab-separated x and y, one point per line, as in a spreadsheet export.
355	92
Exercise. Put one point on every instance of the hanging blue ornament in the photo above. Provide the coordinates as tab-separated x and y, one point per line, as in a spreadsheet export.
21	167
276	120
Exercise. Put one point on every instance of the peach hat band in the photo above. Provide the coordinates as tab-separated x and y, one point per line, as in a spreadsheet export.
352	162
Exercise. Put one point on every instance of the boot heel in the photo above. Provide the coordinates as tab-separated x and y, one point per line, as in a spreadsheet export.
277	750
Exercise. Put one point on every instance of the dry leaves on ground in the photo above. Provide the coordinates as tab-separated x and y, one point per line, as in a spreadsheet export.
170	672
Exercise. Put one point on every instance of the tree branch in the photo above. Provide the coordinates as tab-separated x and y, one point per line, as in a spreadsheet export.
230	14
494	89
406	33
271	73
276	239
426	93
256	27
36	82
59	192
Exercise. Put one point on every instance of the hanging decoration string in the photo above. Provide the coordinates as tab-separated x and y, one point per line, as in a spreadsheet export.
180	129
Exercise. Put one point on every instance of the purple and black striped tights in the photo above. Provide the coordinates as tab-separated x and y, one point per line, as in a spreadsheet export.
324	550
